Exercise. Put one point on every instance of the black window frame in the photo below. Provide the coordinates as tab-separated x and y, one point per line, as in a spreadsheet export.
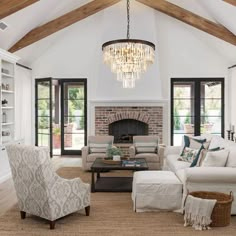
197	103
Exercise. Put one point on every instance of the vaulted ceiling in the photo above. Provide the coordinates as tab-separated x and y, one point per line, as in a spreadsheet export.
31	20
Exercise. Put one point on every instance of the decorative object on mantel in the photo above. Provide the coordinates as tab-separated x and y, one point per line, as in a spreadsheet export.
231	133
128	58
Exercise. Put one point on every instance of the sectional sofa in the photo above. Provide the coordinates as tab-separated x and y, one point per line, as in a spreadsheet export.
220	179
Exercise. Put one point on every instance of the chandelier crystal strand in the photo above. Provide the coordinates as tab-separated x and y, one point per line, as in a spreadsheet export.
128	58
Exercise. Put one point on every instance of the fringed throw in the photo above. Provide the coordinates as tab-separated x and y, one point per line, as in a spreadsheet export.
198	212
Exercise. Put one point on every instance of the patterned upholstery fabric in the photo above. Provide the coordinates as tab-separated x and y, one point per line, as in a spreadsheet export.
40	191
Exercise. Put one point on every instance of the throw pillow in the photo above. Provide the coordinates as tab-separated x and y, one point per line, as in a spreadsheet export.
203	154
231	162
194	143
146	147
216	159
98	147
188	155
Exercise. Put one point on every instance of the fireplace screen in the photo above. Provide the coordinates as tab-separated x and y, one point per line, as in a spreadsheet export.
124	130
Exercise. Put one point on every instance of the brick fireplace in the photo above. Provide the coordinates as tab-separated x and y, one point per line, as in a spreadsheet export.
152	116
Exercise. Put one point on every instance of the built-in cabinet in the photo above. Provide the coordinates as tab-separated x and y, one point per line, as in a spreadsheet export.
7	109
7	96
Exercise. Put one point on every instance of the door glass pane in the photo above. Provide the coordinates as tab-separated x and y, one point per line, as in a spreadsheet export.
43	90
74	116
43	140
211	107
43	107
43	121
73	107
183	110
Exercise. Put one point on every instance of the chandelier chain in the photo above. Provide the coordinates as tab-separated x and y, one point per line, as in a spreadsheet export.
128	19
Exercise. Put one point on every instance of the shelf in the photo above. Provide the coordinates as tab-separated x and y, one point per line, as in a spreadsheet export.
7	108
7	91
8	123
7	75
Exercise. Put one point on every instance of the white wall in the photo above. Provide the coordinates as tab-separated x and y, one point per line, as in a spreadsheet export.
180	52
232	95
23	104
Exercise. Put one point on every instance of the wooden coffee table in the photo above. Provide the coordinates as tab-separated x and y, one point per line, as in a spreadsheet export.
113	184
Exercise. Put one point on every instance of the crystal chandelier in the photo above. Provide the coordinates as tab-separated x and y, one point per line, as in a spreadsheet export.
128	58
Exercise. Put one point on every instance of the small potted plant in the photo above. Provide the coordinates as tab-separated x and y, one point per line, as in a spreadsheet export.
114	153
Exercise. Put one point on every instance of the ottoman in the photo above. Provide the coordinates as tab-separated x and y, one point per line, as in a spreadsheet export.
156	190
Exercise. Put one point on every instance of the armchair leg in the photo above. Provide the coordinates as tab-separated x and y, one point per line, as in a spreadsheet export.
87	210
22	214
52	224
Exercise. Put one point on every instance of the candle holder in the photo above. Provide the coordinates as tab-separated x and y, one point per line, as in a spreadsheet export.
232	136
229	134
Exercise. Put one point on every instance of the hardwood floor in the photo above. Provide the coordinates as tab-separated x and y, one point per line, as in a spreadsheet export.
7	196
7	191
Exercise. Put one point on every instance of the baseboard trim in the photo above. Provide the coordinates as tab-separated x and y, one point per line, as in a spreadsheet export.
5	177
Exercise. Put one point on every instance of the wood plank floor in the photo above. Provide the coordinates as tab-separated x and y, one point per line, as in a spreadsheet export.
7	191
7	196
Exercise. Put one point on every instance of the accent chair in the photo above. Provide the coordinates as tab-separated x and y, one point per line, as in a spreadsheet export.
147	147
97	147
40	191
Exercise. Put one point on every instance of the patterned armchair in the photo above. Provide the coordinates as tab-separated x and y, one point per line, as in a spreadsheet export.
97	147
40	191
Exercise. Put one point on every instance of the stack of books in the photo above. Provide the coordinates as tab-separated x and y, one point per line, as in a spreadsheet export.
131	163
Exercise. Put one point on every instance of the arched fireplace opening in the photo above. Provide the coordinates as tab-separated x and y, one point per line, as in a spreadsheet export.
124	130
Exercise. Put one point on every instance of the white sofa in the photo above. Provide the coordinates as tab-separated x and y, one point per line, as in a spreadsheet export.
219	179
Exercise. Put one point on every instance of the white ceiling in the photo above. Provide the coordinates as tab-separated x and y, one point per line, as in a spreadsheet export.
43	11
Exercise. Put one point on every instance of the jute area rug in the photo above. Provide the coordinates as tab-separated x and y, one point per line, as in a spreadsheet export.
111	214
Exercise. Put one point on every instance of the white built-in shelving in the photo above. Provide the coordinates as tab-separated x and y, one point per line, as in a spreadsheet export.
7	96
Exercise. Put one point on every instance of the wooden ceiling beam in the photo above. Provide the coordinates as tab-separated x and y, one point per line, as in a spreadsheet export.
192	19
232	2
8	7
62	22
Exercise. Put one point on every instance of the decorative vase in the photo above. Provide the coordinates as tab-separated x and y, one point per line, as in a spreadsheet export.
116	158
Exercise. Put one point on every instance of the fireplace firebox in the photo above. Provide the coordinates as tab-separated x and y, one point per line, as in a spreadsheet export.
124	130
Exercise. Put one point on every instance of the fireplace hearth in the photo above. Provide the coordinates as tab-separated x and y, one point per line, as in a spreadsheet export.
124	130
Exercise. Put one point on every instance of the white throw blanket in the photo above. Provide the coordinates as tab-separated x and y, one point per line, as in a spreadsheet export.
198	212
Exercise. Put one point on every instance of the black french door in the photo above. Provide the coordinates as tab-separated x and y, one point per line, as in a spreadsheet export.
43	113
197	107
61	115
73	115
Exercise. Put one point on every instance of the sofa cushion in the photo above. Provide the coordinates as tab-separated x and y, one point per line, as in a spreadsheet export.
181	175
231	162
204	153
216	159
218	141
150	157
93	156
174	164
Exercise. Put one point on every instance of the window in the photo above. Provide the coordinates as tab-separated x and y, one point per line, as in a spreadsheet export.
197	107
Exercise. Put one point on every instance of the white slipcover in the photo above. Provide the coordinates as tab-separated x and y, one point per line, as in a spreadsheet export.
156	190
